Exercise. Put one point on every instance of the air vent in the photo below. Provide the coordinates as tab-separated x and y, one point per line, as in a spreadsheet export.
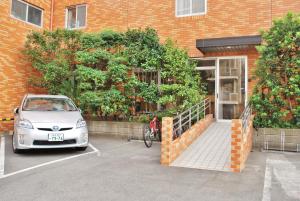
50	129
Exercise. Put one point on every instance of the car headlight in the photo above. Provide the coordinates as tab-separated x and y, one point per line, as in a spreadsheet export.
81	123
25	124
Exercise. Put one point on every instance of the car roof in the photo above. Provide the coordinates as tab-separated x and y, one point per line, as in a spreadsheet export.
45	96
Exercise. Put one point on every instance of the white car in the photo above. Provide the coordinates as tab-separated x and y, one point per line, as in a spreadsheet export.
48	121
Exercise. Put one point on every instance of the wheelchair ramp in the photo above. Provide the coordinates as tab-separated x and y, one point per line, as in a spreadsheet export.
211	151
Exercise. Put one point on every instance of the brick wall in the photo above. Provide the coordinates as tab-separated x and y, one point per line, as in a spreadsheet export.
241	145
281	7
14	70
224	18
171	149
101	15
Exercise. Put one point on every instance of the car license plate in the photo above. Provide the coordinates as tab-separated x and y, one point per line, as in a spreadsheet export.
55	137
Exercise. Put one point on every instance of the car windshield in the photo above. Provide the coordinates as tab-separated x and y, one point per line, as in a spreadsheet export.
48	104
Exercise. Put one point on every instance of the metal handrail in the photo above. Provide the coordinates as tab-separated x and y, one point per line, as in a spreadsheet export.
246	117
189	117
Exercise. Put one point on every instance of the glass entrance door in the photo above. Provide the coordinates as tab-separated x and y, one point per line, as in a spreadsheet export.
231	87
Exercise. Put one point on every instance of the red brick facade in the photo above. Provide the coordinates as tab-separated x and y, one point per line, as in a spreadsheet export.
223	19
241	144
14	70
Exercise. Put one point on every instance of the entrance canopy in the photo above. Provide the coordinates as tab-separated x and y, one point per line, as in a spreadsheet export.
228	44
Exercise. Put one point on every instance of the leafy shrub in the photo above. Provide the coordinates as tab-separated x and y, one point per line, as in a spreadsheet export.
97	69
276	98
182	87
52	53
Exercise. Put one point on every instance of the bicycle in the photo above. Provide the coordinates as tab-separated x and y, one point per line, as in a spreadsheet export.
152	132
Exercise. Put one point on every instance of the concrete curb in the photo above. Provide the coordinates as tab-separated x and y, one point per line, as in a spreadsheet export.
118	136
124	130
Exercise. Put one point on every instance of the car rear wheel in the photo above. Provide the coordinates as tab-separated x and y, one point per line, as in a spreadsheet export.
81	148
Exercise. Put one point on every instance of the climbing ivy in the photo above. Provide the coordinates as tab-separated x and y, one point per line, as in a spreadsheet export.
53	54
97	69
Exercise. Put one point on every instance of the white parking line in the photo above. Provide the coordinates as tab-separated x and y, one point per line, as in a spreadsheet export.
285	173
2	156
50	162
94	148
267	183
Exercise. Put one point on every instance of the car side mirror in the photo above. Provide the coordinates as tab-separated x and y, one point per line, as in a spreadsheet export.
16	110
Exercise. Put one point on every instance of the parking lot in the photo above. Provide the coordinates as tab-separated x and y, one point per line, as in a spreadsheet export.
115	169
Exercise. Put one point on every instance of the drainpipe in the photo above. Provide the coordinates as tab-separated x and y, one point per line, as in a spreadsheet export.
51	15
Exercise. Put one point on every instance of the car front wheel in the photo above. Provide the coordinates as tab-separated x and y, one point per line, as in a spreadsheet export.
15	150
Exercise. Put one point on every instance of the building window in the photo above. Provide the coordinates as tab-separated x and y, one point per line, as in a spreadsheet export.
76	17
26	12
190	7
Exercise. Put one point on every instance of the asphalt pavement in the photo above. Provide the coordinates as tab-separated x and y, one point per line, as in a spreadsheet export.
113	169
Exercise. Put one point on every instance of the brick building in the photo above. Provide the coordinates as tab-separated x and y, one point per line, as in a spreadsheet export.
220	34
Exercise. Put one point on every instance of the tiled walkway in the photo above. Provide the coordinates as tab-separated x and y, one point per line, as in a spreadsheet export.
210	151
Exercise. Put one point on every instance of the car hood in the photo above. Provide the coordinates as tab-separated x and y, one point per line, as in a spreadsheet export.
51	117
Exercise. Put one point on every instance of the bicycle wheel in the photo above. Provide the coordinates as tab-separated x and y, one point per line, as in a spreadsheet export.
147	136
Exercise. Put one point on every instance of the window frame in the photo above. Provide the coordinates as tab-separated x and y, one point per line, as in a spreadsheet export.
66	16
191	6
26	19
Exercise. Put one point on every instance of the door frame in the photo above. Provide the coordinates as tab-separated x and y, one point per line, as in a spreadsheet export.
217	84
217	76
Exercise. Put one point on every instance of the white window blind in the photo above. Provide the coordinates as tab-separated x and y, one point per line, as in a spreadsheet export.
71	18
34	15
81	15
183	7
19	10
190	7
76	17
26	12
